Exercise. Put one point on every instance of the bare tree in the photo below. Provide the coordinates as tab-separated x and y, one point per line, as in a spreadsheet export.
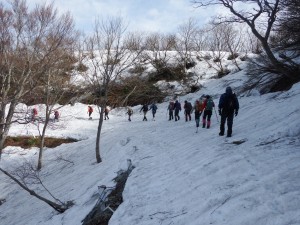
200	40
184	42
287	35
260	16
55	83
234	40
158	47
251	43
111	52
26	176
28	40
218	46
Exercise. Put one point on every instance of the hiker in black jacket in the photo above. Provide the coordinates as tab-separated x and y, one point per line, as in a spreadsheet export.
228	107
177	108
145	110
187	110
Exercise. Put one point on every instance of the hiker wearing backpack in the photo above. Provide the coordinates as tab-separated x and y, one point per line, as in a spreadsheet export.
171	110
153	107
208	107
198	111
129	112
228	107
187	110
177	108
106	111
90	111
145	110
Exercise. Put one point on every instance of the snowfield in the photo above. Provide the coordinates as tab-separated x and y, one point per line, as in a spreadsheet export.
180	177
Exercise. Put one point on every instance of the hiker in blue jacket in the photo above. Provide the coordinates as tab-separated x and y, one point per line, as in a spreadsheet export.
228	107
153	107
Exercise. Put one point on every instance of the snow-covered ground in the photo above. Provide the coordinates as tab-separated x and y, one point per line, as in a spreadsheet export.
181	177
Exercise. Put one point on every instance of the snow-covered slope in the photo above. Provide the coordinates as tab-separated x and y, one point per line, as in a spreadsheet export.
180	177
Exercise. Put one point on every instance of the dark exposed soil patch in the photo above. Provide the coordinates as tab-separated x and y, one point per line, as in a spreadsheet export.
114	199
29	141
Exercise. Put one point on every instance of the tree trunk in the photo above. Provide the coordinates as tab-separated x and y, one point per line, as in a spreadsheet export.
42	138
5	123
98	157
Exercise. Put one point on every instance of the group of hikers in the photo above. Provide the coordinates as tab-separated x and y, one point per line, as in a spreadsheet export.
227	108
106	111
34	114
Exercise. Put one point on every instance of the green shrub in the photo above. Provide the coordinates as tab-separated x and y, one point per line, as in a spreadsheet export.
32	141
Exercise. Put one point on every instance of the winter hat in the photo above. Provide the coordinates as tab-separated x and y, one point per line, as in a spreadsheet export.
229	90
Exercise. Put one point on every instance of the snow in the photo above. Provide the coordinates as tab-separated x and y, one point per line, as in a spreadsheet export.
180	177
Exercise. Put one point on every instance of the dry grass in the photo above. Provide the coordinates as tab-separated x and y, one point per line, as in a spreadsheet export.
29	141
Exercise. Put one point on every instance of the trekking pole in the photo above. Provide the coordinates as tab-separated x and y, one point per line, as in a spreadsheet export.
216	115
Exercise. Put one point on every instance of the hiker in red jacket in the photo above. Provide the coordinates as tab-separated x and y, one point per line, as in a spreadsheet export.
34	114
90	111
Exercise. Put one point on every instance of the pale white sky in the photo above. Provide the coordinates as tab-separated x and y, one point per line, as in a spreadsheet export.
144	15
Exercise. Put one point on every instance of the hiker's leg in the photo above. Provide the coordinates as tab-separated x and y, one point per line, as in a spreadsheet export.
197	122
204	119
209	113
229	124
222	124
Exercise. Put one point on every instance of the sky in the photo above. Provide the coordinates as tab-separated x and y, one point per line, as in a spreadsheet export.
142	15
180	177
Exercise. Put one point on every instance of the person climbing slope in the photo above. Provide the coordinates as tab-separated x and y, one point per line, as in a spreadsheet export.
90	111
228	107
208	107
145	110
153	108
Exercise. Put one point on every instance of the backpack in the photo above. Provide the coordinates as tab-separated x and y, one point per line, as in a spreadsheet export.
189	106
154	107
145	108
197	107
209	104
130	111
230	104
171	106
